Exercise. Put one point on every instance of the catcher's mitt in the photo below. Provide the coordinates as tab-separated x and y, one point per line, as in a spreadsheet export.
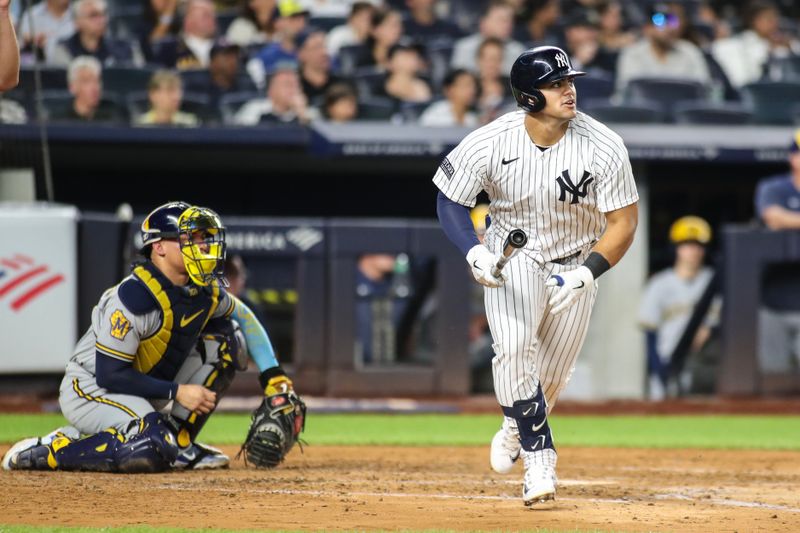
276	426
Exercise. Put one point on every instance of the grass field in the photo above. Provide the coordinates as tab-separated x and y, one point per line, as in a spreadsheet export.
699	431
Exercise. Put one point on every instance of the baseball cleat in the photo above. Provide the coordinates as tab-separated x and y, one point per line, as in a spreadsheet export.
505	449
19	456
201	457
539	484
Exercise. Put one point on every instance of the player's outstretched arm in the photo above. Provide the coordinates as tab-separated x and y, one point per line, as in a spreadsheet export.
9	50
258	344
621	226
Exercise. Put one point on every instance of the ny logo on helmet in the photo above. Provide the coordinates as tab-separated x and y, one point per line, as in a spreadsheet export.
562	60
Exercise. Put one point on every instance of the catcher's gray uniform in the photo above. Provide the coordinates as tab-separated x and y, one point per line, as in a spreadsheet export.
116	331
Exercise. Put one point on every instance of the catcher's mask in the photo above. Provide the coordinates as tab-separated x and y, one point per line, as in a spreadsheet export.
200	233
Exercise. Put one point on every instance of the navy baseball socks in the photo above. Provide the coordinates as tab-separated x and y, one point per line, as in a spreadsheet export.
535	441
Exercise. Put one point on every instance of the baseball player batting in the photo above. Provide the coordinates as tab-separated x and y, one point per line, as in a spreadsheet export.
565	180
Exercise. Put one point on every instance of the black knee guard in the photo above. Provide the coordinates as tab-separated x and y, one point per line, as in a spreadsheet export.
153	449
531	417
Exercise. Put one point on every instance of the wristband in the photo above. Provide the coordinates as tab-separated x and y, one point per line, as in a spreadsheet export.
597	264
268	374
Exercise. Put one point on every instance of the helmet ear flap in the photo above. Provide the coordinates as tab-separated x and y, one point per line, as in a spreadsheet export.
538	100
532	101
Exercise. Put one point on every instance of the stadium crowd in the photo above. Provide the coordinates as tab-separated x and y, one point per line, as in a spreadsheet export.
252	62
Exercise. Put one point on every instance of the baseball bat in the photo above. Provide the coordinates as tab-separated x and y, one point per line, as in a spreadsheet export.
516	239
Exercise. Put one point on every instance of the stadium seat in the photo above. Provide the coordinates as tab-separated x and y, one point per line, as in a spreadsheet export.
125	22
665	92
53	78
224	19
439	55
57	103
348	58
126	80
369	81
230	103
772	101
597	84
796	114
410	111
704	113
326	23
784	69
640	113
375	108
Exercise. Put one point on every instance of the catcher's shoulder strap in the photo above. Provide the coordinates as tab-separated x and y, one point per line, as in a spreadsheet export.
134	295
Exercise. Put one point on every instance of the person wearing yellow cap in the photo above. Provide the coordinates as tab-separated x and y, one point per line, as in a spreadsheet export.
670	298
777	203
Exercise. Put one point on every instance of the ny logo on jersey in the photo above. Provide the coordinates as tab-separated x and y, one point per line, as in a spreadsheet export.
577	191
562	60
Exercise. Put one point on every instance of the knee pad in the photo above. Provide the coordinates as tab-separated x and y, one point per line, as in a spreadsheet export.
153	449
223	339
531	417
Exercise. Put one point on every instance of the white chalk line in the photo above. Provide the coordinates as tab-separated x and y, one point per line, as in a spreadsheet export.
444	496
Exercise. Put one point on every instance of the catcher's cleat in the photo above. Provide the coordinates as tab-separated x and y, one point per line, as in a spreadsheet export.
28	454
201	457
505	449
539	484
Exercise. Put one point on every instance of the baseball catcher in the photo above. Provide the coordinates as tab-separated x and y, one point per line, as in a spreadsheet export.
163	348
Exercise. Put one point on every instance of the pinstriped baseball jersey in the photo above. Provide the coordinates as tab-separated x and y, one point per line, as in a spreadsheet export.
557	196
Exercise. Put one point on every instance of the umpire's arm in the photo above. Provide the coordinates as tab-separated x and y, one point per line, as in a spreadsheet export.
620	228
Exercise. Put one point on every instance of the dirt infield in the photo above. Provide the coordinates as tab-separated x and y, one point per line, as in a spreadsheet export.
367	488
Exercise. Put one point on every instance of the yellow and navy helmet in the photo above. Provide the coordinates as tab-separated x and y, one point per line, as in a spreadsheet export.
203	248
690	229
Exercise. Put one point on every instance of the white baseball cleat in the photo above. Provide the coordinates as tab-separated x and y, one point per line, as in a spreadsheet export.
201	457
10	458
505	449
539	484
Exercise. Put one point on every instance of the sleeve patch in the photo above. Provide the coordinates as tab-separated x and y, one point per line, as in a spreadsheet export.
120	325
447	167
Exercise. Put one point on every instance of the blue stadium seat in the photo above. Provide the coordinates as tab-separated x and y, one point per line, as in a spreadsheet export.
348	58
597	84
376	108
126	80
784	69
369	81
229	104
772	101
705	113
125	22
410	111
52	78
57	103
639	113
665	92
326	23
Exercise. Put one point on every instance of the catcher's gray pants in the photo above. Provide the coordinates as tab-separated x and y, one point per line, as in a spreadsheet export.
90	408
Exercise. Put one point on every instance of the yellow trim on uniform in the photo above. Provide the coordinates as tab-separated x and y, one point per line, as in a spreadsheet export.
105	401
214	301
152	348
111	351
229	312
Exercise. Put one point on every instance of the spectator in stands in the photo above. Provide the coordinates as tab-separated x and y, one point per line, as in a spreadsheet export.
84	79
340	103
328	8
40	30
460	89
223	71
777	203
744	56
193	47
236	274
497	22
12	112
165	92
403	82
582	40
90	39
255	25
493	83
291	23
9	50
285	102
669	301
422	24
661	53
613	35
356	31
315	65
160	22
387	29
540	23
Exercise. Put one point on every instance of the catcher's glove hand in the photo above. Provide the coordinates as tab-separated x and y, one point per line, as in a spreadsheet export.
277	422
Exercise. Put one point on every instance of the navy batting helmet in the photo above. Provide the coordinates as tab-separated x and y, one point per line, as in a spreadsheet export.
534	68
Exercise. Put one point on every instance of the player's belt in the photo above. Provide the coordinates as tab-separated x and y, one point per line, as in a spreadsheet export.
562	260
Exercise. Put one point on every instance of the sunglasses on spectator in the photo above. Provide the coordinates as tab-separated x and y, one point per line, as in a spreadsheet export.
665	20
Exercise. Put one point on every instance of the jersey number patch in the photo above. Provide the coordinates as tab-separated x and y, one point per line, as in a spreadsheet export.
120	325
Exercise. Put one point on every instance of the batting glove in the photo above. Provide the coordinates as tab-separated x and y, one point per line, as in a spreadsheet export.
482	261
571	285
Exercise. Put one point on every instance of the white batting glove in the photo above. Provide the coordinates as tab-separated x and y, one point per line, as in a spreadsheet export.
571	284
482	261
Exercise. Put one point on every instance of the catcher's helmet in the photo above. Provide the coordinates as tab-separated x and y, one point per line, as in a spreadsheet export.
534	68
690	229
203	245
